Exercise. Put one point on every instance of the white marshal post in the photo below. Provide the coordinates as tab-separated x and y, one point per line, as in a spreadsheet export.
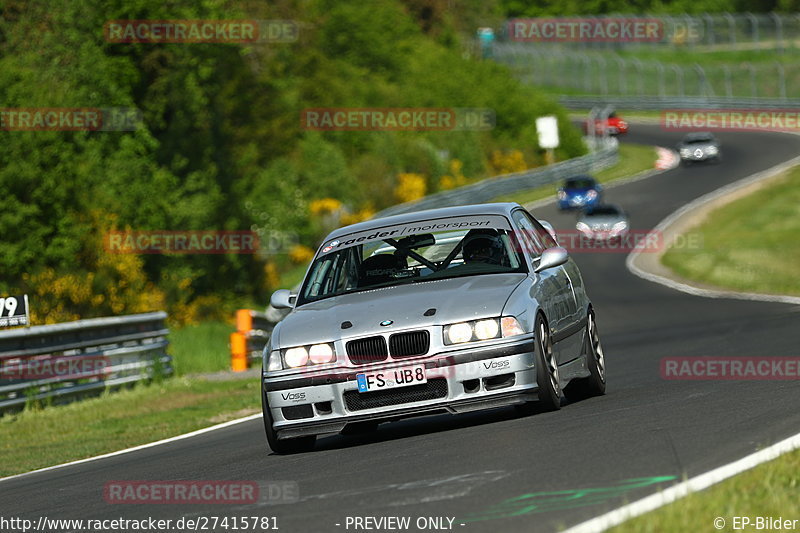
547	128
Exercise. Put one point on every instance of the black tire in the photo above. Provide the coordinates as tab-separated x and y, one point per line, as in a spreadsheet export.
595	383
546	368
283	446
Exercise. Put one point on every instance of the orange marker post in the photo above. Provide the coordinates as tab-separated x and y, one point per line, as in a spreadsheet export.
238	342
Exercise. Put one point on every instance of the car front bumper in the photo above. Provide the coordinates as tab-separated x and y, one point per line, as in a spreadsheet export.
461	380
699	157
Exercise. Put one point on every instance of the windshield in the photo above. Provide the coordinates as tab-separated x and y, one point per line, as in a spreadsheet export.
414	258
602	211
579	183
698	140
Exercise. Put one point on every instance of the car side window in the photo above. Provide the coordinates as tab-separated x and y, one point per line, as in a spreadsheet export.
528	236
544	235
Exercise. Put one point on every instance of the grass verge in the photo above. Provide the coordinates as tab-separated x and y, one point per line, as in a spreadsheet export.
35	439
750	244
633	158
768	490
201	348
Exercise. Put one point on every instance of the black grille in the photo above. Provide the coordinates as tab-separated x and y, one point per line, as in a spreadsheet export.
296	412
369	350
433	389
409	344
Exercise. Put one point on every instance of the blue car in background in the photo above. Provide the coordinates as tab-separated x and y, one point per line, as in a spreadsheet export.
579	192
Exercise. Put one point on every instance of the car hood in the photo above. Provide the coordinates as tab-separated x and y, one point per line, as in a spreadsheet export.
454	299
577	190
695	146
601	221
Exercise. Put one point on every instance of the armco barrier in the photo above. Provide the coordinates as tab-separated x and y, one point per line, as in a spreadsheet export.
63	360
490	188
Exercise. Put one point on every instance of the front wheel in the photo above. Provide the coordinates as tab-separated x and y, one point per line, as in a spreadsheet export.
595	383
546	368
283	446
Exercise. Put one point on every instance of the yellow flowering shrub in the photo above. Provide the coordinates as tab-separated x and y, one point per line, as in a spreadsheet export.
117	286
508	162
359	216
455	179
272	277
199	309
299	254
410	187
324	206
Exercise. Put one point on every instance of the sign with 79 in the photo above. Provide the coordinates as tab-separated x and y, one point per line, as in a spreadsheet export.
14	311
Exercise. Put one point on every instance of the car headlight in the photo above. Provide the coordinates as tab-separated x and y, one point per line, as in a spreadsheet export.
321	353
591	195
619	226
296	357
711	150
562	195
685	151
486	329
583	227
300	356
481	330
458	333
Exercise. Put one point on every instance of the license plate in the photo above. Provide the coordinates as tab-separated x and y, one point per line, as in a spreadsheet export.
391	379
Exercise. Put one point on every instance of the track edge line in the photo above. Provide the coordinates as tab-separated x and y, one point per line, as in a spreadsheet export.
139	447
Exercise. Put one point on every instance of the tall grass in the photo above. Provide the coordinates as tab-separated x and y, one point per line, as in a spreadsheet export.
201	348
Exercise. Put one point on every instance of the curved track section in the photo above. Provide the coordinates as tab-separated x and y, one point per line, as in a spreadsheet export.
497	471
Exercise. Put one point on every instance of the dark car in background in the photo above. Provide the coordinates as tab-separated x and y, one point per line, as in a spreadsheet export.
699	146
579	192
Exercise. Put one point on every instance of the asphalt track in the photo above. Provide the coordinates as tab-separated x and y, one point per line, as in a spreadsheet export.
495	471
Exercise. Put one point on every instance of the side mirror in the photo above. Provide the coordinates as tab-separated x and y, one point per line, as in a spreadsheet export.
282	299
552	257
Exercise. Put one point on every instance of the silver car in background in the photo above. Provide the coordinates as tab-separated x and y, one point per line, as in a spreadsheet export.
603	222
699	146
448	310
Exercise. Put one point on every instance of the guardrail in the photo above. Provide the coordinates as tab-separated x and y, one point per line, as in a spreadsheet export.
610	74
64	360
253	330
644	103
490	188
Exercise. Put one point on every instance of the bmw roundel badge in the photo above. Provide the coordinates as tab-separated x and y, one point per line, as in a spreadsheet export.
387	322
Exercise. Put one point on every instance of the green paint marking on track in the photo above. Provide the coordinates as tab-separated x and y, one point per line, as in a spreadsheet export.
541	502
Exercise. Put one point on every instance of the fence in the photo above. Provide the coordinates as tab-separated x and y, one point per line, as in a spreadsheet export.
706	32
85	356
490	188
605	74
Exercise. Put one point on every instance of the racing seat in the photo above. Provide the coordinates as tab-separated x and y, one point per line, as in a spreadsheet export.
379	269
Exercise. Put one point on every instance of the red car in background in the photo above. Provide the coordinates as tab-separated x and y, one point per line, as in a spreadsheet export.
614	125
